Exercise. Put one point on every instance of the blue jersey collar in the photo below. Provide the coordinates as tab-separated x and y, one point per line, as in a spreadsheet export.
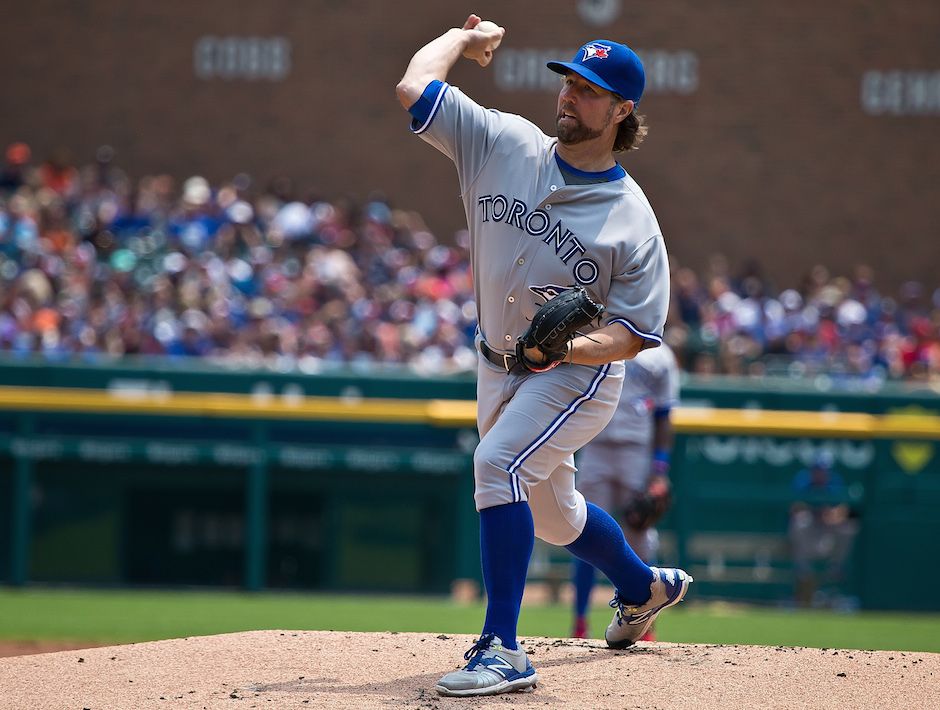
615	173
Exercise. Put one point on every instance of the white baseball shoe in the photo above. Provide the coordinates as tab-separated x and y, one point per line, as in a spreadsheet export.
669	586
492	669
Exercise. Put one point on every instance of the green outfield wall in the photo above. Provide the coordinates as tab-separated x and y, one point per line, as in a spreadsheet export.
342	481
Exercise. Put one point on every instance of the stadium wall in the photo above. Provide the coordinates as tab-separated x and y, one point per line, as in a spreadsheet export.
792	133
115	485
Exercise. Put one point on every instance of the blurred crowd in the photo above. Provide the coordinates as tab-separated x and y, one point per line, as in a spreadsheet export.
838	328
95	264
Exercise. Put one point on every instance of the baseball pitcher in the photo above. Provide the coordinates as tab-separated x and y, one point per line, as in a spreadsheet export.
571	278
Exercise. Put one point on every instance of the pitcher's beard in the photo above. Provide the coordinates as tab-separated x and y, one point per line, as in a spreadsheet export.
573	131
578	133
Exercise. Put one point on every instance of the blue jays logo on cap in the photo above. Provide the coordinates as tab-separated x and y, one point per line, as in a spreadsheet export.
620	72
595	50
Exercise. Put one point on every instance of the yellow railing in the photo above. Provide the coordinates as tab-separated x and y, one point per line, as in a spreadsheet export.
438	412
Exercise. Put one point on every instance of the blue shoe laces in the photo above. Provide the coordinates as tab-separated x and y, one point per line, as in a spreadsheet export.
482	644
618	603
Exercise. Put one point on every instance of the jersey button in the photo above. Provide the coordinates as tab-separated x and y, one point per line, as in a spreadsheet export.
511	299
548	207
508	338
553	188
521	262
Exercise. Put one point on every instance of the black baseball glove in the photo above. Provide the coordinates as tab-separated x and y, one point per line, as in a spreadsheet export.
646	508
555	323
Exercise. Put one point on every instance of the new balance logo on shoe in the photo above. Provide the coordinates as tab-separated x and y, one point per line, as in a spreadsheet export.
499	665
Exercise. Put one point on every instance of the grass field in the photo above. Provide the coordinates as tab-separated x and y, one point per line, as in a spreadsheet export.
128	616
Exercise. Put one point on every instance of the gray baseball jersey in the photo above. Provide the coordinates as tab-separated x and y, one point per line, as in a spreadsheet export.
650	383
531	237
616	464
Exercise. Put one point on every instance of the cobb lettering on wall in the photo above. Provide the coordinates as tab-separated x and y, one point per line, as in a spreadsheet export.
901	93
246	58
667	72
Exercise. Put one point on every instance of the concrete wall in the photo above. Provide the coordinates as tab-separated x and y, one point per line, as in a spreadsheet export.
794	133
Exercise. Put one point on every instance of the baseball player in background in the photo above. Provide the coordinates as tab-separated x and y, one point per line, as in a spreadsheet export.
547	215
625	469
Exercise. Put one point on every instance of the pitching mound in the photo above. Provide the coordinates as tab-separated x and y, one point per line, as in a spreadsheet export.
320	669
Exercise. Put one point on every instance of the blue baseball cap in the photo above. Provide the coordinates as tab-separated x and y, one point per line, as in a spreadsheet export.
610	65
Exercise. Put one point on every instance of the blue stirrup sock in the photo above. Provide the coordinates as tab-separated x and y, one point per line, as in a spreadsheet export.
507	535
583	584
603	545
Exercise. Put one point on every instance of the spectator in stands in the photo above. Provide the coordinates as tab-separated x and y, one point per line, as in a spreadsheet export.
822	530
275	278
13	174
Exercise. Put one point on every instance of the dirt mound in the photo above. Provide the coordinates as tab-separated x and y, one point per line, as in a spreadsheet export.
25	648
321	669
